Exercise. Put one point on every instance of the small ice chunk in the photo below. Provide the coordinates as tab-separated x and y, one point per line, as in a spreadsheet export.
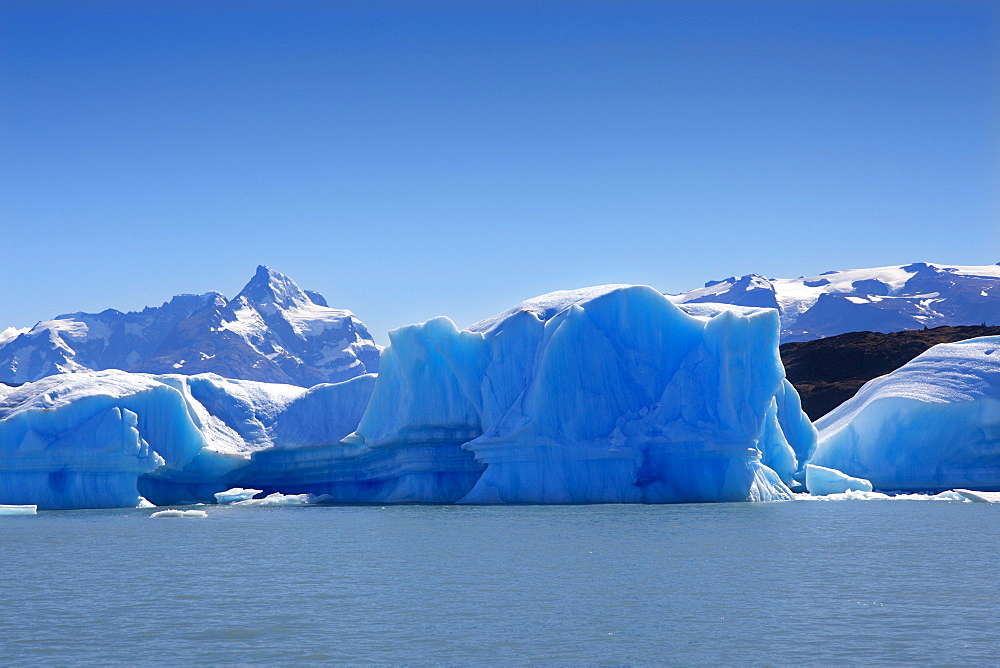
18	510
852	495
279	499
821	481
180	513
978	497
236	494
950	495
143	503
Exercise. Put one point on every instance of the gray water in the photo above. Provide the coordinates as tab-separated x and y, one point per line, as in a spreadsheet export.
770	583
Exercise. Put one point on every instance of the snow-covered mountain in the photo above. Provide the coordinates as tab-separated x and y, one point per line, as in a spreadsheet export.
883	299
273	331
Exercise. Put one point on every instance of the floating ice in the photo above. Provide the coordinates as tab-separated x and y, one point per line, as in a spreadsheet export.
236	494
608	394
100	439
858	495
978	497
6	509
821	481
932	424
278	499
72	445
180	513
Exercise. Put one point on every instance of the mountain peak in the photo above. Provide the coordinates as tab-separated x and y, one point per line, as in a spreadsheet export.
271	288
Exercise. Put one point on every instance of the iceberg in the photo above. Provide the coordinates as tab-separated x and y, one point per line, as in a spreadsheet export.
821	481
64	446
109	439
601	395
6	509
179	513
606	394
931	425
235	494
978	497
279	499
860	495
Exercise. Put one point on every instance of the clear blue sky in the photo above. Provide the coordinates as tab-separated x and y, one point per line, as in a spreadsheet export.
414	159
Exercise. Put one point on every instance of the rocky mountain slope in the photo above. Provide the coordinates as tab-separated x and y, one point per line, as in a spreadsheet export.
882	299
272	331
827	372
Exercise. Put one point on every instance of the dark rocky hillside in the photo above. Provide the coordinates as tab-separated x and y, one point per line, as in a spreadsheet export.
829	371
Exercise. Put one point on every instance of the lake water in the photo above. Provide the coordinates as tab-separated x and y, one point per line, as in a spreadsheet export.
771	583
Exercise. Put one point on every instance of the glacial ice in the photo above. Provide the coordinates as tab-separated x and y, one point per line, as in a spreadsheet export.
933	424
606	394
860	495
64	446
978	497
235	494
179	513
821	481
100	439
6	509
279	499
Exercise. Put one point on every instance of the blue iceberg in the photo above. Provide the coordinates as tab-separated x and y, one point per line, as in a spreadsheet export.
933	424
102	439
606	394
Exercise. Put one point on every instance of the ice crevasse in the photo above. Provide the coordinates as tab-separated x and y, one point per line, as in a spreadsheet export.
607	394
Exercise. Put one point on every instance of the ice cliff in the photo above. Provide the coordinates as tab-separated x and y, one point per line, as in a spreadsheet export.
607	394
933	424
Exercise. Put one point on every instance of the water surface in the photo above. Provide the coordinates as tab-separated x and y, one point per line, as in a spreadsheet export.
769	583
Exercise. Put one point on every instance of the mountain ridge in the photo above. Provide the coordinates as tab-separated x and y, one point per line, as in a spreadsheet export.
879	299
272	331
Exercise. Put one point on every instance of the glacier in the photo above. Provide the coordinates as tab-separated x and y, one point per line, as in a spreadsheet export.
605	394
931	425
